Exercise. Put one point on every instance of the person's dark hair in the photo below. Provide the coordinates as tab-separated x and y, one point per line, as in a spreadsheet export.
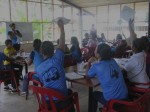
104	51
119	37
47	48
138	44
145	42
37	44
124	43
12	24
74	41
58	41
7	42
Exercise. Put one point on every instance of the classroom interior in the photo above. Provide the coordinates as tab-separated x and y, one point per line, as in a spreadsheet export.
105	15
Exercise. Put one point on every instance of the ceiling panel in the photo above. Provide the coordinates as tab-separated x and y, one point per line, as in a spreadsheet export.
90	3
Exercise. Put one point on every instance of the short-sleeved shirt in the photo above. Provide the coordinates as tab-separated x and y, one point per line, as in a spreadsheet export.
51	72
76	53
7	53
15	39
136	68
2	58
110	78
37	59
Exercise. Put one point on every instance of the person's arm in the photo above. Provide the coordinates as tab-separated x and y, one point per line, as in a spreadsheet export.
30	61
90	70
131	29
18	33
62	35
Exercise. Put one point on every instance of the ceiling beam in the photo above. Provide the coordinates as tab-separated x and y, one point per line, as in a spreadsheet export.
70	3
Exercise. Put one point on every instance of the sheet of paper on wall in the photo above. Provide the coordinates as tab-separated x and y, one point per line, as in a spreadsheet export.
127	13
65	20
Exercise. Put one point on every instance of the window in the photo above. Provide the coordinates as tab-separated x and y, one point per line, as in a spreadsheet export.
2	33
18	11
34	12
57	11
47	1
75	22
47	12
141	10
102	14
37	30
48	31
114	13
4	6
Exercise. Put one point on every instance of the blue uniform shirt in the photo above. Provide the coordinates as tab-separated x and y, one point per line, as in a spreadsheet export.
76	53
37	59
2	58
51	73
111	79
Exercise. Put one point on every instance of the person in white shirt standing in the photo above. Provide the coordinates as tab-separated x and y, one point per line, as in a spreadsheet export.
136	66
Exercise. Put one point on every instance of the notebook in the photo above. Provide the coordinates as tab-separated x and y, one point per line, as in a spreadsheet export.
73	75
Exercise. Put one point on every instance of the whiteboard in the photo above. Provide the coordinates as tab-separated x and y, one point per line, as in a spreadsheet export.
25	28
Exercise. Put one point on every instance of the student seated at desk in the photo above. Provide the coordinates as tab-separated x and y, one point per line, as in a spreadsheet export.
3	57
109	76
9	51
136	66
51	71
36	58
121	49
75	50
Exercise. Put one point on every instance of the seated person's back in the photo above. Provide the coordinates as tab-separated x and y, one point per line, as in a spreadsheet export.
108	74
75	50
136	66
51	71
36	56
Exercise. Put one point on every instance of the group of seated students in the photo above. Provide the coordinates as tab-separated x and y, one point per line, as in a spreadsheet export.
49	66
6	64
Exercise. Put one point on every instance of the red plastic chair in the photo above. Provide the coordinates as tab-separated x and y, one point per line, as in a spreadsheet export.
12	78
139	105
50	93
85	52
132	86
30	74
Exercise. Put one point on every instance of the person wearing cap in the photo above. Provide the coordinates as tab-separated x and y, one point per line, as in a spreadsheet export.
15	36
109	76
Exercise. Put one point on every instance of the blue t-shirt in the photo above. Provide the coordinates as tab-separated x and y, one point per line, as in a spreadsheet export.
111	79
37	59
51	73
2	58
76	53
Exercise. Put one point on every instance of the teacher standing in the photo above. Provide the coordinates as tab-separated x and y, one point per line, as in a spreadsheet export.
15	36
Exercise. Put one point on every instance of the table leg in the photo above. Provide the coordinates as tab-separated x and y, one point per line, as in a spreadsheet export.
90	99
26	68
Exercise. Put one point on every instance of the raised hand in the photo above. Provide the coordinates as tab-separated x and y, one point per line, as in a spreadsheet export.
60	24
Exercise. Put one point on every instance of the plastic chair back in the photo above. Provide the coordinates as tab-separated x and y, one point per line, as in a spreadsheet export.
41	93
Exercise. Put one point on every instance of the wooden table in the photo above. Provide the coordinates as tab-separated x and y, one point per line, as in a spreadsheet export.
90	84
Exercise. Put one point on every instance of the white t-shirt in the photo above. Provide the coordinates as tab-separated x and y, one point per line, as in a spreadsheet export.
136	68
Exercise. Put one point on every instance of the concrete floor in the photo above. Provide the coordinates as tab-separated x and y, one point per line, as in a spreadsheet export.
13	103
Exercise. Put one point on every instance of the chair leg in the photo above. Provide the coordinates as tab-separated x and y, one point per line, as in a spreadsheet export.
27	90
16	85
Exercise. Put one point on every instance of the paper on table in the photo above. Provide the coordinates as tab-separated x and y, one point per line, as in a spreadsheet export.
65	20
73	75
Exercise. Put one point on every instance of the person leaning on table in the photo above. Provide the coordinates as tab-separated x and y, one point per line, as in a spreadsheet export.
109	75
